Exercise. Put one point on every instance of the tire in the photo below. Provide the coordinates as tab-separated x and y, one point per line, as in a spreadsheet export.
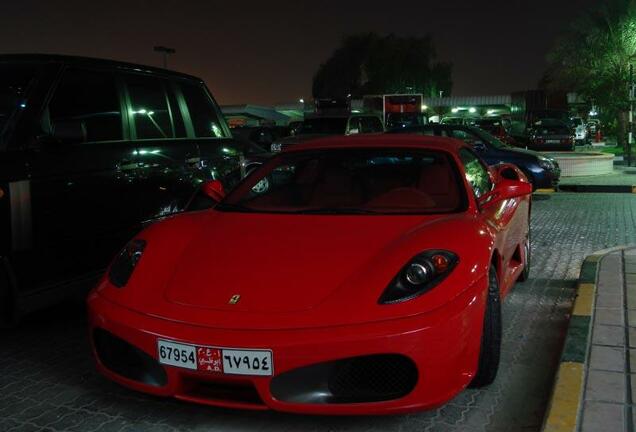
527	253
490	349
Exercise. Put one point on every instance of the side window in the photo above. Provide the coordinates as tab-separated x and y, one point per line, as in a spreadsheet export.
153	116
91	99
476	173
203	112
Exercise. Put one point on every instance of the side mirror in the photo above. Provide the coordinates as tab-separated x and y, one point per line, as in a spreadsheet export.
507	171
505	189
69	132
213	189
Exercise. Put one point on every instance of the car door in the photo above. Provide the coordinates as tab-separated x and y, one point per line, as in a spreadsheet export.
82	191
167	157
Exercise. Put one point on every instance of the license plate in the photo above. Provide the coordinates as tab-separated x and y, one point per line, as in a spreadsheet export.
229	361
552	141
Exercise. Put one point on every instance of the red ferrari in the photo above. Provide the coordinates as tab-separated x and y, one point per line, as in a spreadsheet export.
349	275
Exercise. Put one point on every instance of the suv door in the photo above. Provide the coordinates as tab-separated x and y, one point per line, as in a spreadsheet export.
167	157
82	189
220	156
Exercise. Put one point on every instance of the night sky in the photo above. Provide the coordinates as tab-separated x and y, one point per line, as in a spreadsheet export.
266	52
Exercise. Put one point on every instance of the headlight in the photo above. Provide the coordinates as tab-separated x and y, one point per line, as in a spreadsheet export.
546	164
123	266
275	147
419	275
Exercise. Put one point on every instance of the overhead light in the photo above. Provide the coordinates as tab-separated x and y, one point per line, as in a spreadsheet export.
472	110
454	110
301	100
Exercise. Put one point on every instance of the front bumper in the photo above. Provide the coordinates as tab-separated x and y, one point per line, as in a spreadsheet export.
434	356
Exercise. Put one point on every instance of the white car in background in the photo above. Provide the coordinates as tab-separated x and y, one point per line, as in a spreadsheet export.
580	130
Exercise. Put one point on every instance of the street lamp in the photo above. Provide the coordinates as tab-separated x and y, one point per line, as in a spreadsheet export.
165	51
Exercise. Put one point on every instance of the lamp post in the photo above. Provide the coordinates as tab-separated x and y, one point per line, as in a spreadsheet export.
165	51
630	132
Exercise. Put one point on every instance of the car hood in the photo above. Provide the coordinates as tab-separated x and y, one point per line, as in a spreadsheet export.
521	153
276	263
292	271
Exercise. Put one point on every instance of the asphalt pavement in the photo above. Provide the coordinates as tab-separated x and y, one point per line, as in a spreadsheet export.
48	382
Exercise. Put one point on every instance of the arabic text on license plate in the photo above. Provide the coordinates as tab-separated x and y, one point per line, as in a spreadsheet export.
214	359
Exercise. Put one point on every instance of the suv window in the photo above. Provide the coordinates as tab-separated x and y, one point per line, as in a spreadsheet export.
152	114
89	97
203	112
476	173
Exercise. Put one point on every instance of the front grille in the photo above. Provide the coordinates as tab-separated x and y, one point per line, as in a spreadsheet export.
126	360
377	377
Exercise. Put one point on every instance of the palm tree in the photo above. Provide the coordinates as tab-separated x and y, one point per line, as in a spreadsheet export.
594	57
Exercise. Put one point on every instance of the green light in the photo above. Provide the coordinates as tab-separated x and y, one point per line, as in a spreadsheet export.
472	110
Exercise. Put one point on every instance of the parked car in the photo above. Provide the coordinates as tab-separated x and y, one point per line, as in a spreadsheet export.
89	151
550	134
325	125
581	135
497	127
360	241
593	125
454	120
541	170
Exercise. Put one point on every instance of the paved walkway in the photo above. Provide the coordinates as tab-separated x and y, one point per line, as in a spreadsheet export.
595	387
622	176
609	382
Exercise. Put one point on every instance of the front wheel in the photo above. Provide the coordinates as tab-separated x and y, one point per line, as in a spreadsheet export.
527	246
490	349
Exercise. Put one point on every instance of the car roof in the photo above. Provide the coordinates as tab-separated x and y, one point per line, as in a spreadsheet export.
91	61
381	140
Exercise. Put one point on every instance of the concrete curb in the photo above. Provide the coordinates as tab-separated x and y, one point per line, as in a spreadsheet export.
563	411
598	188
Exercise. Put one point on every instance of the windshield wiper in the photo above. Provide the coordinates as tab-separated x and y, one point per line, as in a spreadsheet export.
336	210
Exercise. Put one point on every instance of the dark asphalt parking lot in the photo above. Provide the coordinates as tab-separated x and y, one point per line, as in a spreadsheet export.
47	379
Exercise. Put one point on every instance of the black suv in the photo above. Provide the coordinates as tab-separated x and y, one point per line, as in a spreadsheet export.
90	150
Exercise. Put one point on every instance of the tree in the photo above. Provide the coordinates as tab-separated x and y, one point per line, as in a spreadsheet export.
374	64
593	58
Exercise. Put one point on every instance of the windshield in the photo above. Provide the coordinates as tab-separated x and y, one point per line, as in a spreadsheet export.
351	181
15	80
324	125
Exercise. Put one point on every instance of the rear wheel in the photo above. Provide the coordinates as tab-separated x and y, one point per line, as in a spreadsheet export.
491	336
